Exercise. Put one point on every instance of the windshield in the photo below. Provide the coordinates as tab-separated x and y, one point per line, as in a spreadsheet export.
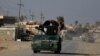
43	37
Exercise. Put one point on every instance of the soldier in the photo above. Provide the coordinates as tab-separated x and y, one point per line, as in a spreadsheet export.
53	27
50	27
60	21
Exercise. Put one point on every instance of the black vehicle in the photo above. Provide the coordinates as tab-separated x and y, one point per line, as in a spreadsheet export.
22	34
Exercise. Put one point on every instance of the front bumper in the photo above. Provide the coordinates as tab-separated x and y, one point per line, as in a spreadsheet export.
50	47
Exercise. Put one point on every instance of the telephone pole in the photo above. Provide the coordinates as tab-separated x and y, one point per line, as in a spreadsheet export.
7	13
42	16
31	15
20	7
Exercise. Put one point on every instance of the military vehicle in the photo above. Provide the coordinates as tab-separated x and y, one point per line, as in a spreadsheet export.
49	41
89	37
45	42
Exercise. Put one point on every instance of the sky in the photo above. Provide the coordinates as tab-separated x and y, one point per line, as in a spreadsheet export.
82	10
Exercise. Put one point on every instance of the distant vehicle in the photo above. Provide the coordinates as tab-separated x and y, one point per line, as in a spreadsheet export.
21	34
25	33
88	37
47	39
91	38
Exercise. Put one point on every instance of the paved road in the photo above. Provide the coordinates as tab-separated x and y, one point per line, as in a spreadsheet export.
69	48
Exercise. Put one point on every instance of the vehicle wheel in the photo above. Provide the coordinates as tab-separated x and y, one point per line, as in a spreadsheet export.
58	49
57	52
35	51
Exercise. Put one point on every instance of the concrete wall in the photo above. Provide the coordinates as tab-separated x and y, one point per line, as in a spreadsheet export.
97	36
7	33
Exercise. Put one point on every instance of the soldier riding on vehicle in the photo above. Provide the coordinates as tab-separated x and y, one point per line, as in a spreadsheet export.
51	40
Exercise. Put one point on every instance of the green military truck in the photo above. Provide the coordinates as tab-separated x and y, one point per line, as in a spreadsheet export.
48	40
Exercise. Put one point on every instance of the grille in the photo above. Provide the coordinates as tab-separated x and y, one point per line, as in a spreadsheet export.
45	44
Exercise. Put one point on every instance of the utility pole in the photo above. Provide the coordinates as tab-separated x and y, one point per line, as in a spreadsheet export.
7	13
31	15
20	6
42	17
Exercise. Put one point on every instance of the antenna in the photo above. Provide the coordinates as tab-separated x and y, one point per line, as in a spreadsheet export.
20	6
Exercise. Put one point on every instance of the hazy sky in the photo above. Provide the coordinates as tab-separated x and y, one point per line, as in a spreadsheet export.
72	10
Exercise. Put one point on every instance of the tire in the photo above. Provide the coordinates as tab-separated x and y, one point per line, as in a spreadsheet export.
57	52
35	51
58	49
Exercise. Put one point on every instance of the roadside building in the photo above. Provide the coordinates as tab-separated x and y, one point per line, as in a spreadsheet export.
6	20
